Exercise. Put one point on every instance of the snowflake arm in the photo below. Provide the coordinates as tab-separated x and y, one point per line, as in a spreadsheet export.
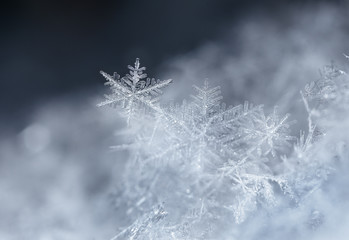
207	98
120	92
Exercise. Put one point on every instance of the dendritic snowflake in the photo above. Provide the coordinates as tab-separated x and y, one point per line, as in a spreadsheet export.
134	92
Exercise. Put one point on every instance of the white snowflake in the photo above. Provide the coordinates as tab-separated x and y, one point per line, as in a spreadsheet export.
134	92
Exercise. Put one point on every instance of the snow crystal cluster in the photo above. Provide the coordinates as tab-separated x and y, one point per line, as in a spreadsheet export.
200	169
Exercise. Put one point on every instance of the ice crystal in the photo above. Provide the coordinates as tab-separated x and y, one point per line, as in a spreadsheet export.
232	150
143	225
327	93
326	102
323	97
209	162
134	92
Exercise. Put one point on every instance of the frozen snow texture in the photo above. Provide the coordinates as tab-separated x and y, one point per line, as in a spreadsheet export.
326	102
74	160
212	159
143	225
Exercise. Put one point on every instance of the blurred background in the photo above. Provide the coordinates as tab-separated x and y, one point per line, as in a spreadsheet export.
56	170
56	48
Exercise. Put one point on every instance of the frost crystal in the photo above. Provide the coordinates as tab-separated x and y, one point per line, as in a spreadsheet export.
143	225
326	101
134	92
212	159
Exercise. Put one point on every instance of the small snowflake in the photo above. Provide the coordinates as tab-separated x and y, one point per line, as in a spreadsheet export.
134	92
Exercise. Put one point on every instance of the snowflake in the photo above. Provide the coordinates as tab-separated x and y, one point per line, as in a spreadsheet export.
325	89
134	92
270	133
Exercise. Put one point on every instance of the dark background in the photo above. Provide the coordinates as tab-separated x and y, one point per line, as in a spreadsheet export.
53	48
